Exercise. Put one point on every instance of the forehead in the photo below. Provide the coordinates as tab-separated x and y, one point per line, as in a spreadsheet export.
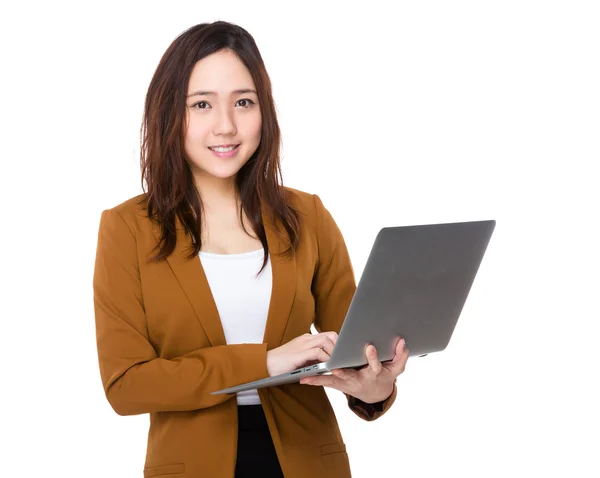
221	72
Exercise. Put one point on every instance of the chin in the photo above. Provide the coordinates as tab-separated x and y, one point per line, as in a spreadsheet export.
217	168
223	172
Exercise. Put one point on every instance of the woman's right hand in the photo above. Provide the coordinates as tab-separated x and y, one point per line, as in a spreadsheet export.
308	349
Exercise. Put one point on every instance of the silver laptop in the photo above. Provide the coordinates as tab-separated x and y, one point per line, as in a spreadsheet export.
414	285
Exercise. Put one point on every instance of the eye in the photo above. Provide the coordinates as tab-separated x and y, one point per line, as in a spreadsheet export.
203	105
247	102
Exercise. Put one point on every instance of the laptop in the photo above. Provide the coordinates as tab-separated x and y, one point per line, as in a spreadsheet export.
414	285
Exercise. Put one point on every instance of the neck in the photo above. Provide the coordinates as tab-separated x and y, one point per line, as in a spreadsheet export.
217	193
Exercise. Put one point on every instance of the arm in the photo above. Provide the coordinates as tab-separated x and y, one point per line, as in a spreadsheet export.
333	288
134	378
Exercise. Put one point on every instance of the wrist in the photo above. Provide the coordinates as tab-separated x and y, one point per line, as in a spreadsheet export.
379	398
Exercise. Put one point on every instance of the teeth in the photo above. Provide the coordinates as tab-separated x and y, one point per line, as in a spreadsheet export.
223	150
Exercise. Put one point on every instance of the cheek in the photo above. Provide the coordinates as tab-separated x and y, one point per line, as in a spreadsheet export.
255	128
197	131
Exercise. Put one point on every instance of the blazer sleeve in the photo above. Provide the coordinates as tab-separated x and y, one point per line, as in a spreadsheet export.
333	288
134	378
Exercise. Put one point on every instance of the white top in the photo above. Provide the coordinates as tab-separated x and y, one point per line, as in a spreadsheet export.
242	299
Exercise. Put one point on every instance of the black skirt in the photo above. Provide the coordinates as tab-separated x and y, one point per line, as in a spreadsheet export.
256	454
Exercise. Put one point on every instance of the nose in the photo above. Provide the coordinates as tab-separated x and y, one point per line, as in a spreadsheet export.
224	123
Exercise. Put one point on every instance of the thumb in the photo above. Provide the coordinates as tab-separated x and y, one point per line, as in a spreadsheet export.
372	357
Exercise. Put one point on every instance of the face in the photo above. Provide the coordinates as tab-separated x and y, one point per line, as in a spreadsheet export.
222	112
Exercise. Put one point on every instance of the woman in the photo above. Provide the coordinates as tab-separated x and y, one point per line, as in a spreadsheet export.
214	277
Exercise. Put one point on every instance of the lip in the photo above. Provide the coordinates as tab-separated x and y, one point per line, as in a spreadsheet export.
229	154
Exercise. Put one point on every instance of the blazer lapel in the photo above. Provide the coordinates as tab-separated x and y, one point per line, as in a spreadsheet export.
193	281
284	283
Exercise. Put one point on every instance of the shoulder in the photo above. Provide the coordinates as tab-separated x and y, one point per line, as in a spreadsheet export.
132	205
318	218
311	206
296	197
303	201
130	211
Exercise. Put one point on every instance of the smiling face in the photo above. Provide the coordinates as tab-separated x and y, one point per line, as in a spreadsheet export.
222	112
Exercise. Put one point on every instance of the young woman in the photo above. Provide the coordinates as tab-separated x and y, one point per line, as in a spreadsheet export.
214	277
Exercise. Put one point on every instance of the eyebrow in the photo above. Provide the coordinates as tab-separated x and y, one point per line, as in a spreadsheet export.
212	93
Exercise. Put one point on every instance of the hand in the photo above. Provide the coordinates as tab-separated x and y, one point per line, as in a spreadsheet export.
308	349
372	383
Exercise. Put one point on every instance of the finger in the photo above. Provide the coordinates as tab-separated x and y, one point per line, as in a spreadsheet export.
315	353
401	347
325	381
331	335
398	365
322	341
373	359
318	381
345	374
404	349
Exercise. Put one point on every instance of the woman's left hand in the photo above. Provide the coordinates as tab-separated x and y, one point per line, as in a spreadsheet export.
372	383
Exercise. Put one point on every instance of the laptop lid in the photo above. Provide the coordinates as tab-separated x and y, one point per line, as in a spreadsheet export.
414	285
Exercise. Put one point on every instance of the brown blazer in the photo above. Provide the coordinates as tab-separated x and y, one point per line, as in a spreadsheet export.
162	349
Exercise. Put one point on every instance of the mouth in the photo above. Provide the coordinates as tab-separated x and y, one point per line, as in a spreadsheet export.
224	148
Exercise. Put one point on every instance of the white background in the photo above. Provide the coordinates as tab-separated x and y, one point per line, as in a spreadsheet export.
395	113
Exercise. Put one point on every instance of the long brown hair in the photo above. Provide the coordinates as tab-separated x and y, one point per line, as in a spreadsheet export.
171	193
